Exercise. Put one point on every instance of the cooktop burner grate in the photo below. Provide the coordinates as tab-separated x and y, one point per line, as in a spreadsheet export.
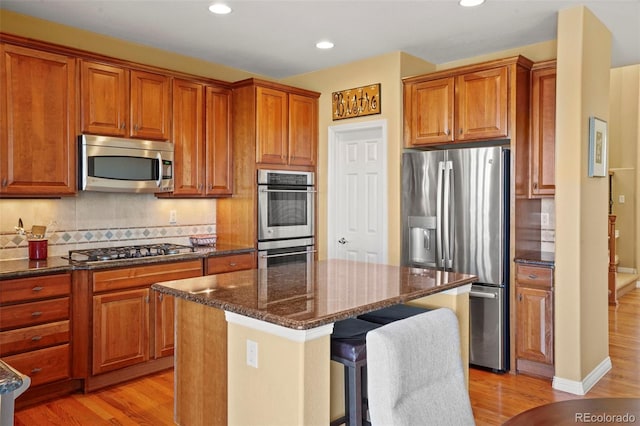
106	254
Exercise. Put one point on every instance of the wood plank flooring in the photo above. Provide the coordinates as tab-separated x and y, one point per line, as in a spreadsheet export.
495	398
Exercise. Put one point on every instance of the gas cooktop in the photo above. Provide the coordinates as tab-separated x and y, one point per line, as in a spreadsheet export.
106	254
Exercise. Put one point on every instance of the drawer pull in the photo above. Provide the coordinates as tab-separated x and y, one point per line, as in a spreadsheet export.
36	370
533	276
36	314
37	288
36	338
232	264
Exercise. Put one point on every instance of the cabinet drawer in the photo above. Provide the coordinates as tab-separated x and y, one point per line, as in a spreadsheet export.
28	314
140	276
44	365
43	287
534	275
235	262
35	337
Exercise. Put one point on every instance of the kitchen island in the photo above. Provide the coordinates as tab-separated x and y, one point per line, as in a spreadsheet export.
253	347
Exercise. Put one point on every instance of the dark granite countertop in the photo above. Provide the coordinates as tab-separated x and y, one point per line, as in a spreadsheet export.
10	380
539	258
301	297
20	268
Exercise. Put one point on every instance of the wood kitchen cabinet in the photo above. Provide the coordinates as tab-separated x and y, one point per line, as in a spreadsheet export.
471	103
119	101
286	123
38	132
35	332
202	139
534	320
229	263
127	328
543	129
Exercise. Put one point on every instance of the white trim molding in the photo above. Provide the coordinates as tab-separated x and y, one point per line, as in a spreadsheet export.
581	388
299	336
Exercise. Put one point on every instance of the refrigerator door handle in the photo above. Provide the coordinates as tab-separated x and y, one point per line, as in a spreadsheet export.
440	255
448	211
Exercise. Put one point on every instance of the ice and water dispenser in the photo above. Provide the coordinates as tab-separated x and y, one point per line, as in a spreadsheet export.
422	240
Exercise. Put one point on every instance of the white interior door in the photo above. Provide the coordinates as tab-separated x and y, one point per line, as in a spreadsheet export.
357	218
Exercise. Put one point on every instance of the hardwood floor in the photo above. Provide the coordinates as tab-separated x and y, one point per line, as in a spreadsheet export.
495	398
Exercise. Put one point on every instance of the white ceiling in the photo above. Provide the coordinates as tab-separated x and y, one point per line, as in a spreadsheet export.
277	38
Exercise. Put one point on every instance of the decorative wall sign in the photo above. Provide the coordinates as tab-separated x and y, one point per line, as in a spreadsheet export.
356	102
597	147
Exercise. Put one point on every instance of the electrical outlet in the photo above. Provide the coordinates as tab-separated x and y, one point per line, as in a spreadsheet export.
173	217
621	199
544	219
252	353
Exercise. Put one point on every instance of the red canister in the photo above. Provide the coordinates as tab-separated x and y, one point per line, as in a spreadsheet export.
38	249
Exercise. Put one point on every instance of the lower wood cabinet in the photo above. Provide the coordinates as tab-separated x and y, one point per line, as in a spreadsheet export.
534	320
35	333
129	326
230	263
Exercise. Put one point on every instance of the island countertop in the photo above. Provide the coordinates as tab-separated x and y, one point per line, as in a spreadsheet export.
305	296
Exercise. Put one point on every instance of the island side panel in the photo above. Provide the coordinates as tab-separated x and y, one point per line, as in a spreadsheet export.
458	301
290	386
200	365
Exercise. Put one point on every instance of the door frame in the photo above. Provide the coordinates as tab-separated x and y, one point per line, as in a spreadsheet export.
334	138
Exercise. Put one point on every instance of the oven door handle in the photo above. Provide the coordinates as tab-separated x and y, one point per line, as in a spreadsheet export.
306	191
268	256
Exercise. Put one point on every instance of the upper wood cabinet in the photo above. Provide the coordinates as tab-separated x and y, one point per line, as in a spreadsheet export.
37	135
543	129
123	102
472	103
286	127
202	138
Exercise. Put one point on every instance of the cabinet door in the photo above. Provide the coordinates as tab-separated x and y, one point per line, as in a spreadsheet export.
543	131
38	131
534	335
150	106
164	325
429	112
104	99
120	329
219	166
188	134
271	126
482	104
303	130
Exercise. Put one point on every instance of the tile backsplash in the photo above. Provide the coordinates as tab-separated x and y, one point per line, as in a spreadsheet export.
94	219
548	231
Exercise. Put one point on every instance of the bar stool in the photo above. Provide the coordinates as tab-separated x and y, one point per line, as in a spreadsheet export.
392	313
349	348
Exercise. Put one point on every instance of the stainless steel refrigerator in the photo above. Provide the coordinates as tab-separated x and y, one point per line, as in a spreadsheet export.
455	216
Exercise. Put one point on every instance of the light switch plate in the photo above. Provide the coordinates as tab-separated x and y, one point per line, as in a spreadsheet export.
252	353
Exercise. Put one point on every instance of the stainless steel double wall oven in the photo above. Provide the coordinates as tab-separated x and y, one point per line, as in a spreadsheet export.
286	217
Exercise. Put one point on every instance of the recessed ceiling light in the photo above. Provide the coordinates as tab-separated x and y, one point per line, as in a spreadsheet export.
324	45
219	9
471	3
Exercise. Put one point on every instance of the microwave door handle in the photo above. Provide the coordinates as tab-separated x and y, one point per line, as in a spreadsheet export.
159	181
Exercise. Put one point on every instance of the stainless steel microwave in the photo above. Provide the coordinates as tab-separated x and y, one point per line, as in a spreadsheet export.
109	164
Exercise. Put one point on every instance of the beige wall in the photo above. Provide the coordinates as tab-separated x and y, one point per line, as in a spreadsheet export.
581	335
624	137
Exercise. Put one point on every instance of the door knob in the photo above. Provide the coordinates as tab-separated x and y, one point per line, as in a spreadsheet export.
342	241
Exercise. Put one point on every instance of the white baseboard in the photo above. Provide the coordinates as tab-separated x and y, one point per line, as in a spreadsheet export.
627	270
581	388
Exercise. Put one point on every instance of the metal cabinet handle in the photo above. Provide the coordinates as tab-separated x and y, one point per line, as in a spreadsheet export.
160	297
122	125
37	288
4	182
446	132
460	130
232	264
36	314
533	276
36	338
36	370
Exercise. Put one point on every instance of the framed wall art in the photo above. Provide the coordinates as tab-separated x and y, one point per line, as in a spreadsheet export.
597	147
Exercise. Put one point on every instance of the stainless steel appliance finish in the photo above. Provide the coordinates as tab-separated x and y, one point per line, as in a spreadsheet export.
271	253
109	164
487	336
286	201
455	216
106	254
